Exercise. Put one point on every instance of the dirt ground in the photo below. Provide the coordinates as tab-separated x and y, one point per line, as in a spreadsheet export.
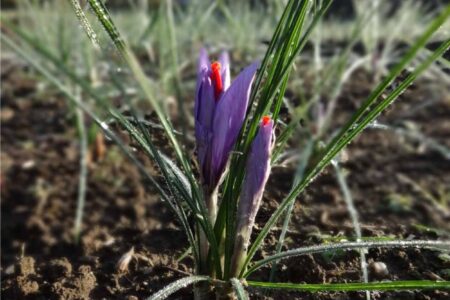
400	187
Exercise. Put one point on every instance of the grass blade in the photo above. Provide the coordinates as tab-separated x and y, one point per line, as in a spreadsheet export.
416	136
177	285
85	23
104	17
87	110
360	120
285	45
346	246
238	288
82	105
200	208
173	176
83	173
306	155
342	182
348	287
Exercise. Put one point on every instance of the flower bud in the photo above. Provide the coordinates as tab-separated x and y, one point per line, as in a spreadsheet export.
257	173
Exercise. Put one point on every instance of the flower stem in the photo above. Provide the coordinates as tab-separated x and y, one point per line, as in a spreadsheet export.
210	196
203	290
243	232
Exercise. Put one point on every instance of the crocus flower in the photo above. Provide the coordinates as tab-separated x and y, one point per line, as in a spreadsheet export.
220	109
257	173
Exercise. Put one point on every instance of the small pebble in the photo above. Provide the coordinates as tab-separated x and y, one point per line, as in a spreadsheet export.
28	164
378	269
10	270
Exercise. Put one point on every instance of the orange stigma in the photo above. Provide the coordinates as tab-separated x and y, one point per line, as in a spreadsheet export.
216	79
265	120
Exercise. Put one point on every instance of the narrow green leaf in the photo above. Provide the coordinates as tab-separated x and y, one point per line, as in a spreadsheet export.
285	45
82	181
360	120
176	286
348	198
348	287
346	246
110	134
85	23
104	17
174	179
306	155
241	294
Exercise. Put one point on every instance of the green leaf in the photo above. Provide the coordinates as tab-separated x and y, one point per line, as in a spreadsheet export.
241	294
83	106
288	40
105	19
84	22
306	154
86	109
177	285
345	246
175	179
366	114
348	287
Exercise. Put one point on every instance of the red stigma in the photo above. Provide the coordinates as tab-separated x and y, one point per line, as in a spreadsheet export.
216	79
265	120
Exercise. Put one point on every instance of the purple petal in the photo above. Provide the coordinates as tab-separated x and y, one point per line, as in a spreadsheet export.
224	60
204	112
204	100
203	61
203	66
228	119
257	172
203	108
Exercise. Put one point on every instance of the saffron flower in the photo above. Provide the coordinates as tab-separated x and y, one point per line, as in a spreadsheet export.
220	108
257	173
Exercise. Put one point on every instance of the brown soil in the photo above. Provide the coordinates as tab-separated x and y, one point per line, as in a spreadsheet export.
395	182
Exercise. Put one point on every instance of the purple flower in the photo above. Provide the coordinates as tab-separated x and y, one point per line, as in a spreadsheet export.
220	109
257	172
